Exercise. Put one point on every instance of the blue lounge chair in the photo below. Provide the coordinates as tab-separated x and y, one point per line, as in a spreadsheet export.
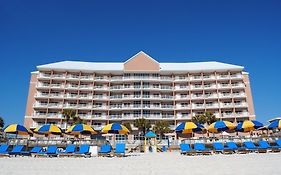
185	149
265	145
83	151
105	150
201	149
278	142
4	150
218	147
233	146
34	150
50	152
69	150
16	150
252	147
120	149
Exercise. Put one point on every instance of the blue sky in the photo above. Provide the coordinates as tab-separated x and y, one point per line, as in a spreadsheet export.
246	32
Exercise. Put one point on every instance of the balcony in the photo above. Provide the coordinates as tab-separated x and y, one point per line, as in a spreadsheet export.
55	95
209	77
224	86
97	97
238	85
196	78
58	76
227	105
72	96
43	85
44	76
211	96
86	77
72	77
40	95
101	79
197	96
55	105
40	105
69	105
179	79
213	105
236	76
241	105
198	106
223	77
87	87
72	86
84	106
196	87
85	97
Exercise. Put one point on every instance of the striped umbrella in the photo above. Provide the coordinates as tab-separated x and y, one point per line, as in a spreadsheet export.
115	128
220	126
48	129
275	125
248	125
81	129
16	129
189	127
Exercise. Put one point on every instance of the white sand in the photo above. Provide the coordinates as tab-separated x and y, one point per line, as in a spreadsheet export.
146	164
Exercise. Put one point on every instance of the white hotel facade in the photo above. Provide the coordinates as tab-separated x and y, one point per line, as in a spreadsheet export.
105	92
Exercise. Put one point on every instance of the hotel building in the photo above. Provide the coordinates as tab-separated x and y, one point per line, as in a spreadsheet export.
105	92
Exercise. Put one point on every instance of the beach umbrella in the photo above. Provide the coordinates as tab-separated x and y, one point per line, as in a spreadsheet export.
80	129
189	127
220	126
16	129
248	125
276	124
48	129
115	128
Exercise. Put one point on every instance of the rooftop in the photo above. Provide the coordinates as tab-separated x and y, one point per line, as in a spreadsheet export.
119	66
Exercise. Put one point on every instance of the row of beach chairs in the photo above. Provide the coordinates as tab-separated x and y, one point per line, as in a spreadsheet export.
229	148
54	151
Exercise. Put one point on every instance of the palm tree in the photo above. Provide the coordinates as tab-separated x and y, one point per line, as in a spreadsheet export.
68	115
77	120
142	124
210	118
199	118
161	127
2	123
128	126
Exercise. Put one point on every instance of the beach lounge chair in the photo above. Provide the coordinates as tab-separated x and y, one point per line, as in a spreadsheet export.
83	151
105	150
265	145
201	149
16	150
4	150
218	147
34	150
120	149
50	152
278	142
252	147
69	150
233	146
185	149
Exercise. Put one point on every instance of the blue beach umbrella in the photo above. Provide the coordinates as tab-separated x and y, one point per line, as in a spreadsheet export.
220	126
81	129
189	127
16	129
115	128
248	125
48	129
275	125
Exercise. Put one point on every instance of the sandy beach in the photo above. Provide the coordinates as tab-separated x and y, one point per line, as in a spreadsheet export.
146	164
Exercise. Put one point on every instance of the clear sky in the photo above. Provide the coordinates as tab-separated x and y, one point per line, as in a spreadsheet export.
246	32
